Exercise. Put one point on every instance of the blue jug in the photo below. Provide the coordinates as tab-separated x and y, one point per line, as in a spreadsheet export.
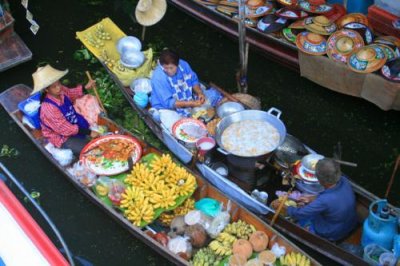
380	227
354	6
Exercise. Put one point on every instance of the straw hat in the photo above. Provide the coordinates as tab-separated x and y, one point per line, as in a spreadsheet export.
314	8
149	12
352	17
320	24
311	43
291	13
391	70
298	24
367	59
45	76
336	13
271	23
389	52
259	11
227	10
288	3
363	29
291	34
342	44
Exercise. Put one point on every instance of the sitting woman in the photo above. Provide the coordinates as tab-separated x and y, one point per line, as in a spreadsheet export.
176	86
61	125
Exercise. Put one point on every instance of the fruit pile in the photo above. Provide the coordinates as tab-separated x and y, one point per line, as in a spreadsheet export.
295	259
101	33
167	217
155	186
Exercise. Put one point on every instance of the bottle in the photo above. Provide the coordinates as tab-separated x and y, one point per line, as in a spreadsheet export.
384	213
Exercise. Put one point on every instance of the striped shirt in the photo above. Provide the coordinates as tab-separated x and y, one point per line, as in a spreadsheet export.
55	127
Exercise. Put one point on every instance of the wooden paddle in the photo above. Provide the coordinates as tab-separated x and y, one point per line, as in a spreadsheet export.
279	209
96	93
389	187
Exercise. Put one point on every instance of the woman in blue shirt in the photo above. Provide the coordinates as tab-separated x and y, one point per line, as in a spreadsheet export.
332	213
176	86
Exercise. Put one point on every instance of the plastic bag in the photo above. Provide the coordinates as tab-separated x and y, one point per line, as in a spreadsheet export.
168	118
197	217
208	206
279	251
79	171
141	85
220	221
180	244
63	156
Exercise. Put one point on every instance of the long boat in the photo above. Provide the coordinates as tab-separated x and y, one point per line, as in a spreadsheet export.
234	188
271	46
10	98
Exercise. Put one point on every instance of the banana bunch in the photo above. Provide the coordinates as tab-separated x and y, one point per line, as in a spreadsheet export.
132	196
93	41
163	165
164	198
240	229
137	213
167	217
186	184
101	33
295	259
107	60
220	249
140	176
206	257
226	239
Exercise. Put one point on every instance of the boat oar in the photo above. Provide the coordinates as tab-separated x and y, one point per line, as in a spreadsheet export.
389	187
226	94
96	93
279	209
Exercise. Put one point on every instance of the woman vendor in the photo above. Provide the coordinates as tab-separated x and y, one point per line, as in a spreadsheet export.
331	214
61	124
176	86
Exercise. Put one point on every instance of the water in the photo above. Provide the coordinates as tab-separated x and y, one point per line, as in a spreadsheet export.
314	114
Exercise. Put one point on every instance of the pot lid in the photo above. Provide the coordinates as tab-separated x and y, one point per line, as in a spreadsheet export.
291	150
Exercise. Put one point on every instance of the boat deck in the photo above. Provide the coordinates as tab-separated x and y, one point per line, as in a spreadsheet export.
13	51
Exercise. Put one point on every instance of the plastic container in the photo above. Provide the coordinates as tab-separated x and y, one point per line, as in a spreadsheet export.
372	253
387	259
391	6
355	6
32	114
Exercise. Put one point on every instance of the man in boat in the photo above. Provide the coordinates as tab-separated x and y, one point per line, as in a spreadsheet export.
331	214
61	125
176	86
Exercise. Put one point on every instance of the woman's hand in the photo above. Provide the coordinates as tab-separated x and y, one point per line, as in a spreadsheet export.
94	134
90	84
197	103
303	200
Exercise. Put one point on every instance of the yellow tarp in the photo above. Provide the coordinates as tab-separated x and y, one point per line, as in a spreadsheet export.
106	51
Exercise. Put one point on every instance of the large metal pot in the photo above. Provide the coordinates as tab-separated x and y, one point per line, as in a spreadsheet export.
242	167
251	115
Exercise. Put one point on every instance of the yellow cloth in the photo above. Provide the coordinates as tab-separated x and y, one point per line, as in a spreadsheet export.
106	51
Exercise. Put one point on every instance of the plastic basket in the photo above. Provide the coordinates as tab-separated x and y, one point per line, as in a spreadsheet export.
33	117
372	252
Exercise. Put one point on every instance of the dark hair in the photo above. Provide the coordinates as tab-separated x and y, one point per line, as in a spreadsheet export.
169	56
42	96
327	171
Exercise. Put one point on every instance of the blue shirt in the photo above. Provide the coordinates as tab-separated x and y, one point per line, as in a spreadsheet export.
333	212
162	95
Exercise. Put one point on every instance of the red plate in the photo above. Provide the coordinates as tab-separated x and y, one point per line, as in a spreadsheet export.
102	166
189	130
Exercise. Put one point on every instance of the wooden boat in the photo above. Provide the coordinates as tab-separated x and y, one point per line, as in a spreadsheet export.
10	99
329	249
13	50
30	245
271	46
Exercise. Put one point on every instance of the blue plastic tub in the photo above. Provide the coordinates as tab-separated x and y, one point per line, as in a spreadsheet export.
33	117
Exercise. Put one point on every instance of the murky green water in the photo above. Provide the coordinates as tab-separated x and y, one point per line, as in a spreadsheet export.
316	115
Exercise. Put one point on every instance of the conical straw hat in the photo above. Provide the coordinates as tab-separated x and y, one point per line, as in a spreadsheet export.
45	76
149	12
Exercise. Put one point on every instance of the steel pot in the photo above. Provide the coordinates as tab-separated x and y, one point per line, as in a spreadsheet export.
251	115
